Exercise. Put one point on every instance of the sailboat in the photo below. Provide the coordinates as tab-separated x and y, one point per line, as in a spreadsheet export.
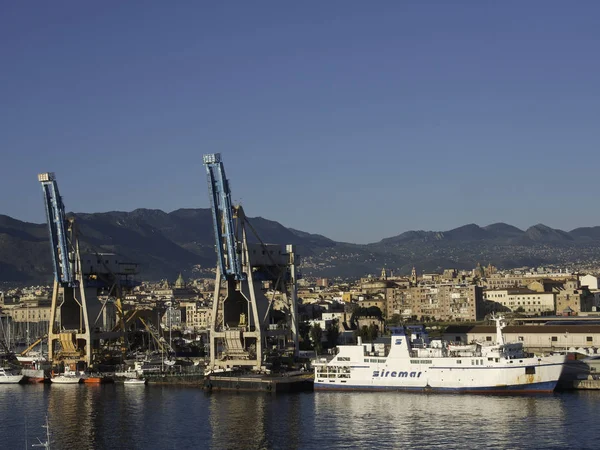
68	377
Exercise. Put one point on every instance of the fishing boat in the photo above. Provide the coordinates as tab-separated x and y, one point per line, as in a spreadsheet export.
7	377
411	362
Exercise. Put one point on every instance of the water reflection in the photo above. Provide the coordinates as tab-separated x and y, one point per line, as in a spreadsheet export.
435	421
116	416
256	420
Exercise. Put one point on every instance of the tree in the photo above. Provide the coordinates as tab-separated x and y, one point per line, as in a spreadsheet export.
333	333
396	319
304	332
373	332
368	333
316	334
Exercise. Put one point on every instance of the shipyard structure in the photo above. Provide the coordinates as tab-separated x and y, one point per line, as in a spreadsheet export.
244	331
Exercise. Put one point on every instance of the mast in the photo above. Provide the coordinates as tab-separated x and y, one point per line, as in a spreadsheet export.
500	324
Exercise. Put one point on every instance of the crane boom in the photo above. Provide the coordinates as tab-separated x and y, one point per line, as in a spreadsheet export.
57	226
222	214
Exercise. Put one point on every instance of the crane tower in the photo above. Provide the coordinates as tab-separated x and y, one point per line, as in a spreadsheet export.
243	328
86	289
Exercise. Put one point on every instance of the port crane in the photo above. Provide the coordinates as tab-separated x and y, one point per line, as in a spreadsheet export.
81	315
243	330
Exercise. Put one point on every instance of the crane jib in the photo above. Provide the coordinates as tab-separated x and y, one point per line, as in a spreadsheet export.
222	214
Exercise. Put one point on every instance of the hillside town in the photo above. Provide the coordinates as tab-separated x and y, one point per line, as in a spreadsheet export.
344	309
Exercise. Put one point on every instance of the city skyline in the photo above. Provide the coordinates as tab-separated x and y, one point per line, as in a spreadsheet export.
354	121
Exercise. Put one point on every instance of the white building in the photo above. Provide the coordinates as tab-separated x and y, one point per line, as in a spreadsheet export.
196	317
590	281
530	301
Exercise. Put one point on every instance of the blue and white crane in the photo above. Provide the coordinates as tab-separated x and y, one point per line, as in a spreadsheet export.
242	323
60	242
84	286
228	257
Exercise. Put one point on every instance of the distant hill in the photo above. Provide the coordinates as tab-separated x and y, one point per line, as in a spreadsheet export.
167	243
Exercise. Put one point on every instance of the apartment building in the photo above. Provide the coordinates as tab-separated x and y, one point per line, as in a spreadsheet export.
522	299
441	302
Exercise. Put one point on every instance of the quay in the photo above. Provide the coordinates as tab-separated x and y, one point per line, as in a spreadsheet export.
589	384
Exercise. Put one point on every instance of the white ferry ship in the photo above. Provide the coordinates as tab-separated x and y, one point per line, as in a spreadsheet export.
415	363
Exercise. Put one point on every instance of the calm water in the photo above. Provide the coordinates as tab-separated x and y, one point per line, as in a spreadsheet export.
158	417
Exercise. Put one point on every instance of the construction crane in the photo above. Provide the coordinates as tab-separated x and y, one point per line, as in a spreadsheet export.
242	328
79	317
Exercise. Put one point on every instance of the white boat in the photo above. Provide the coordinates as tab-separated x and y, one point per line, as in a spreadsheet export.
68	377
8	377
32	357
135	381
412	362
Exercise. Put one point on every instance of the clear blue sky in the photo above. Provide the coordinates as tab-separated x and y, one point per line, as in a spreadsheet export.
357	120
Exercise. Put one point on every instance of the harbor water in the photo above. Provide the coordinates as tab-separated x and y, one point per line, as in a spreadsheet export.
169	417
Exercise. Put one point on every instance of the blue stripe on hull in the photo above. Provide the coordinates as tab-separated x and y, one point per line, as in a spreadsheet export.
547	386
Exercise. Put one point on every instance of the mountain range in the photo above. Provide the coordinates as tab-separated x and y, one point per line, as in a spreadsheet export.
182	241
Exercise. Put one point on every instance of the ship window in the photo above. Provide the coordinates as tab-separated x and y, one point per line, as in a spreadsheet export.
458	361
589	339
488	338
530	370
521	338
554	338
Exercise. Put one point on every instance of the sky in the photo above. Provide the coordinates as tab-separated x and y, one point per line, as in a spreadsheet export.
356	120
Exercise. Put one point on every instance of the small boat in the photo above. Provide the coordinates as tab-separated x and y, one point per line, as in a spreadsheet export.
9	378
135	381
92	380
97	380
66	378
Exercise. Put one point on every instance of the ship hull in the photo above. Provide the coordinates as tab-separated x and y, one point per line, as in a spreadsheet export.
534	388
65	380
11	379
33	375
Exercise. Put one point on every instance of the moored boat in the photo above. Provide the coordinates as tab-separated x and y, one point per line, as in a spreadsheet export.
413	362
134	381
33	375
97	380
68	377
7	377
